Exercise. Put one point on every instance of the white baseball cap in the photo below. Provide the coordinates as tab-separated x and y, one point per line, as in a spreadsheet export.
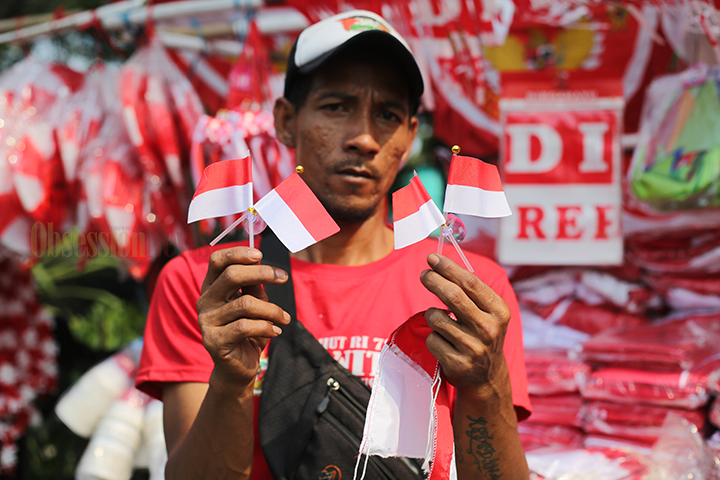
321	41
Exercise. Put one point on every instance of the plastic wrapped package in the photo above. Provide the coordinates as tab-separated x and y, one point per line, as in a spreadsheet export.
594	440
30	93
681	454
590	319
687	248
642	423
676	164
540	333
672	389
670	346
688	291
588	464
550	371
714	412
539	435
563	410
120	208
596	288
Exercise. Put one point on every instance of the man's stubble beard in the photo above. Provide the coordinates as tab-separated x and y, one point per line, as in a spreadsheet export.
346	214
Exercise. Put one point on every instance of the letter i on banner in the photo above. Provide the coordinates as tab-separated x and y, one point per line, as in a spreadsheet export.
560	162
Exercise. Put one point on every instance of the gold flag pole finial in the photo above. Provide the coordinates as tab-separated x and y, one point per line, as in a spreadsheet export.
299	169
455	149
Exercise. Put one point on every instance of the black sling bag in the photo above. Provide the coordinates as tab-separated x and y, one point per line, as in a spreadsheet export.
312	409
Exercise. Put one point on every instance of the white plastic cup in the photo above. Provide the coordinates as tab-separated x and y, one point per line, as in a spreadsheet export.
82	406
155	440
113	446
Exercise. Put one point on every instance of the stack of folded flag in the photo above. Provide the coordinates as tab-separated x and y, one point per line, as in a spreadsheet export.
645	372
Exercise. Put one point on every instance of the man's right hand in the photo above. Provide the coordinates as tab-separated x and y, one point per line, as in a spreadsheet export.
235	317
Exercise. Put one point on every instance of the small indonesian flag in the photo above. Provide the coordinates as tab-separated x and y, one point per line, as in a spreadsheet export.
474	188
409	413
415	215
295	214
224	189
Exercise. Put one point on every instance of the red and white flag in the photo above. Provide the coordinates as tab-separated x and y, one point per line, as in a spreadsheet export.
415	215
295	214
474	188
409	413
224	189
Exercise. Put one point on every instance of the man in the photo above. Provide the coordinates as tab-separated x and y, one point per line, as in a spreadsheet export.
351	93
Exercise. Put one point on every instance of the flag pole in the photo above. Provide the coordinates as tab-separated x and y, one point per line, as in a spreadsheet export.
228	230
441	238
251	226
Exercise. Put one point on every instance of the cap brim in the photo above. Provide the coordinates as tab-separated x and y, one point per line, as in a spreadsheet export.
388	45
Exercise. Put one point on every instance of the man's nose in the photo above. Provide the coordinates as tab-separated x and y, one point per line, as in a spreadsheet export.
361	138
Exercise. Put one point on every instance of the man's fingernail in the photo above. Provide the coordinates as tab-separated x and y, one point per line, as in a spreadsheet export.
280	274
277	329
254	254
286	316
433	259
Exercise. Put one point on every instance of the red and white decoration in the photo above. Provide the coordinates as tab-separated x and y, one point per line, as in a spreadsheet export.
296	215
28	356
415	215
409	410
224	189
561	171
474	188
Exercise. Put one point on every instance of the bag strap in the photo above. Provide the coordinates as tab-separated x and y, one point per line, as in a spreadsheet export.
275	254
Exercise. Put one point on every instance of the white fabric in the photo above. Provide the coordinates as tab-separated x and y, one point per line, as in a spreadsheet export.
418	226
283	221
220	202
398	412
476	201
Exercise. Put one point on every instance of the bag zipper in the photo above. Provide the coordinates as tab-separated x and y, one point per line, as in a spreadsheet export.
353	404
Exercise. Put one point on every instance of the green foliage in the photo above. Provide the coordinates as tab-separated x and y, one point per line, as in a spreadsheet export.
108	324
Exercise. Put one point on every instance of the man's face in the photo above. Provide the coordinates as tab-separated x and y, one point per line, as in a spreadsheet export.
352	134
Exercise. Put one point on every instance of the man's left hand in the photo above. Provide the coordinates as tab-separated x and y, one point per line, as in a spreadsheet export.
469	349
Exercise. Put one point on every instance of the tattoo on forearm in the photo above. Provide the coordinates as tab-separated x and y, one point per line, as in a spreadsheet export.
481	448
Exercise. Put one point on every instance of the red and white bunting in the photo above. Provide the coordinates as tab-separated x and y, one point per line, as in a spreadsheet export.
474	188
409	410
224	189
415	215
296	215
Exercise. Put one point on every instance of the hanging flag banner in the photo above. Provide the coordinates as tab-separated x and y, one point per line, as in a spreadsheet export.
560	161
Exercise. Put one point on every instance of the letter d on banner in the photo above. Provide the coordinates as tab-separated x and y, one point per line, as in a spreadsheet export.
560	163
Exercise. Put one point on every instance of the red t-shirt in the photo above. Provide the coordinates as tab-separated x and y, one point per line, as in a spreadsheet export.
350	310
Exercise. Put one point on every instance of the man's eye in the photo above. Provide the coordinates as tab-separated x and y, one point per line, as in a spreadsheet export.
390	116
332	107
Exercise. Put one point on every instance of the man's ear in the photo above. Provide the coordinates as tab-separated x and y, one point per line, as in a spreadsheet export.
285	123
412	132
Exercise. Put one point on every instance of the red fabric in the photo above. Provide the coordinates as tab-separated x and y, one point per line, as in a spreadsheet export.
672	389
633	422
538	435
350	310
671	346
550	371
565	410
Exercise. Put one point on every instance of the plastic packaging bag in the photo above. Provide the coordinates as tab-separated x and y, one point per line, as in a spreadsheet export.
676	164
564	410
550	371
634	422
681	454
669	346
